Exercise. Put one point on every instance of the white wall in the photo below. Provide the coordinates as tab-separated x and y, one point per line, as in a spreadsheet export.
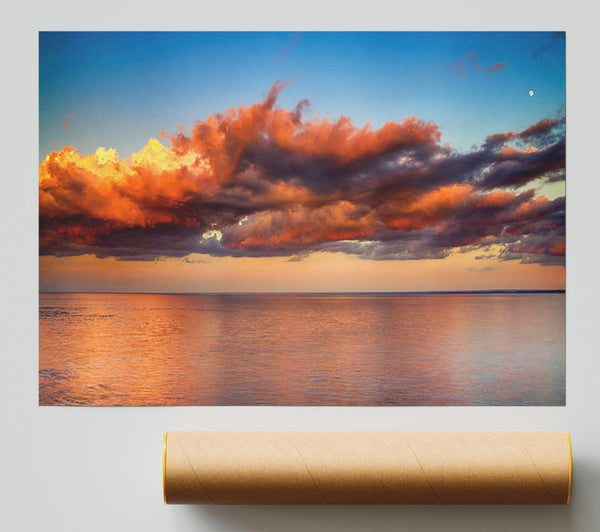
99	469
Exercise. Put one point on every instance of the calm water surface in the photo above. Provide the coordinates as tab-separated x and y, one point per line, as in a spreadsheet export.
383	349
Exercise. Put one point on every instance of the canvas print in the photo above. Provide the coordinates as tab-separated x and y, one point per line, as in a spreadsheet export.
320	218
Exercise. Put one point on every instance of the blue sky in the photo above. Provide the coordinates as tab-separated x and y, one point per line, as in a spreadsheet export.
122	88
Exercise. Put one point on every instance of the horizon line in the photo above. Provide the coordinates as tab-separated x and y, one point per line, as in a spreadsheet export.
409	292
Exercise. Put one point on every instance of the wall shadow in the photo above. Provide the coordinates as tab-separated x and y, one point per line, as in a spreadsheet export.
381	518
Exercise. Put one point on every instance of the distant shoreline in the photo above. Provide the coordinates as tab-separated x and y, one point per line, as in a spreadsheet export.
421	293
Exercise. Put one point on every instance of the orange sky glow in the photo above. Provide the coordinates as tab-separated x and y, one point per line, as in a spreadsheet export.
320	272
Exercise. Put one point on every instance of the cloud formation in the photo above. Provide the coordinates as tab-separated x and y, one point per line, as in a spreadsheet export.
496	67
265	181
463	64
66	122
557	37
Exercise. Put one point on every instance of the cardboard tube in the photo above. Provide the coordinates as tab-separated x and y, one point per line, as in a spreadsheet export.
367	467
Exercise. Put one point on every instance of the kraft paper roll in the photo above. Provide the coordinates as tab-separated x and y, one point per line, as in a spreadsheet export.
367	467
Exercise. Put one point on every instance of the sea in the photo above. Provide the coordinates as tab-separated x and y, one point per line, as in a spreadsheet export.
302	349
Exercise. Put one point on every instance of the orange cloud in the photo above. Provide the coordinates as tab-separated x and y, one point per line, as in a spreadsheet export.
509	150
144	191
438	202
262	180
226	139
496	67
539	130
301	225
66	122
497	199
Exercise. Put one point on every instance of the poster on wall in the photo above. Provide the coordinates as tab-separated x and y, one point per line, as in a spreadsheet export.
311	218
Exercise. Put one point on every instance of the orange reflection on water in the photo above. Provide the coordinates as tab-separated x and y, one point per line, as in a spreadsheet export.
383	349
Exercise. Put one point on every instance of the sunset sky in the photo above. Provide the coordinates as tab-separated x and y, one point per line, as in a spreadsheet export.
320	162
